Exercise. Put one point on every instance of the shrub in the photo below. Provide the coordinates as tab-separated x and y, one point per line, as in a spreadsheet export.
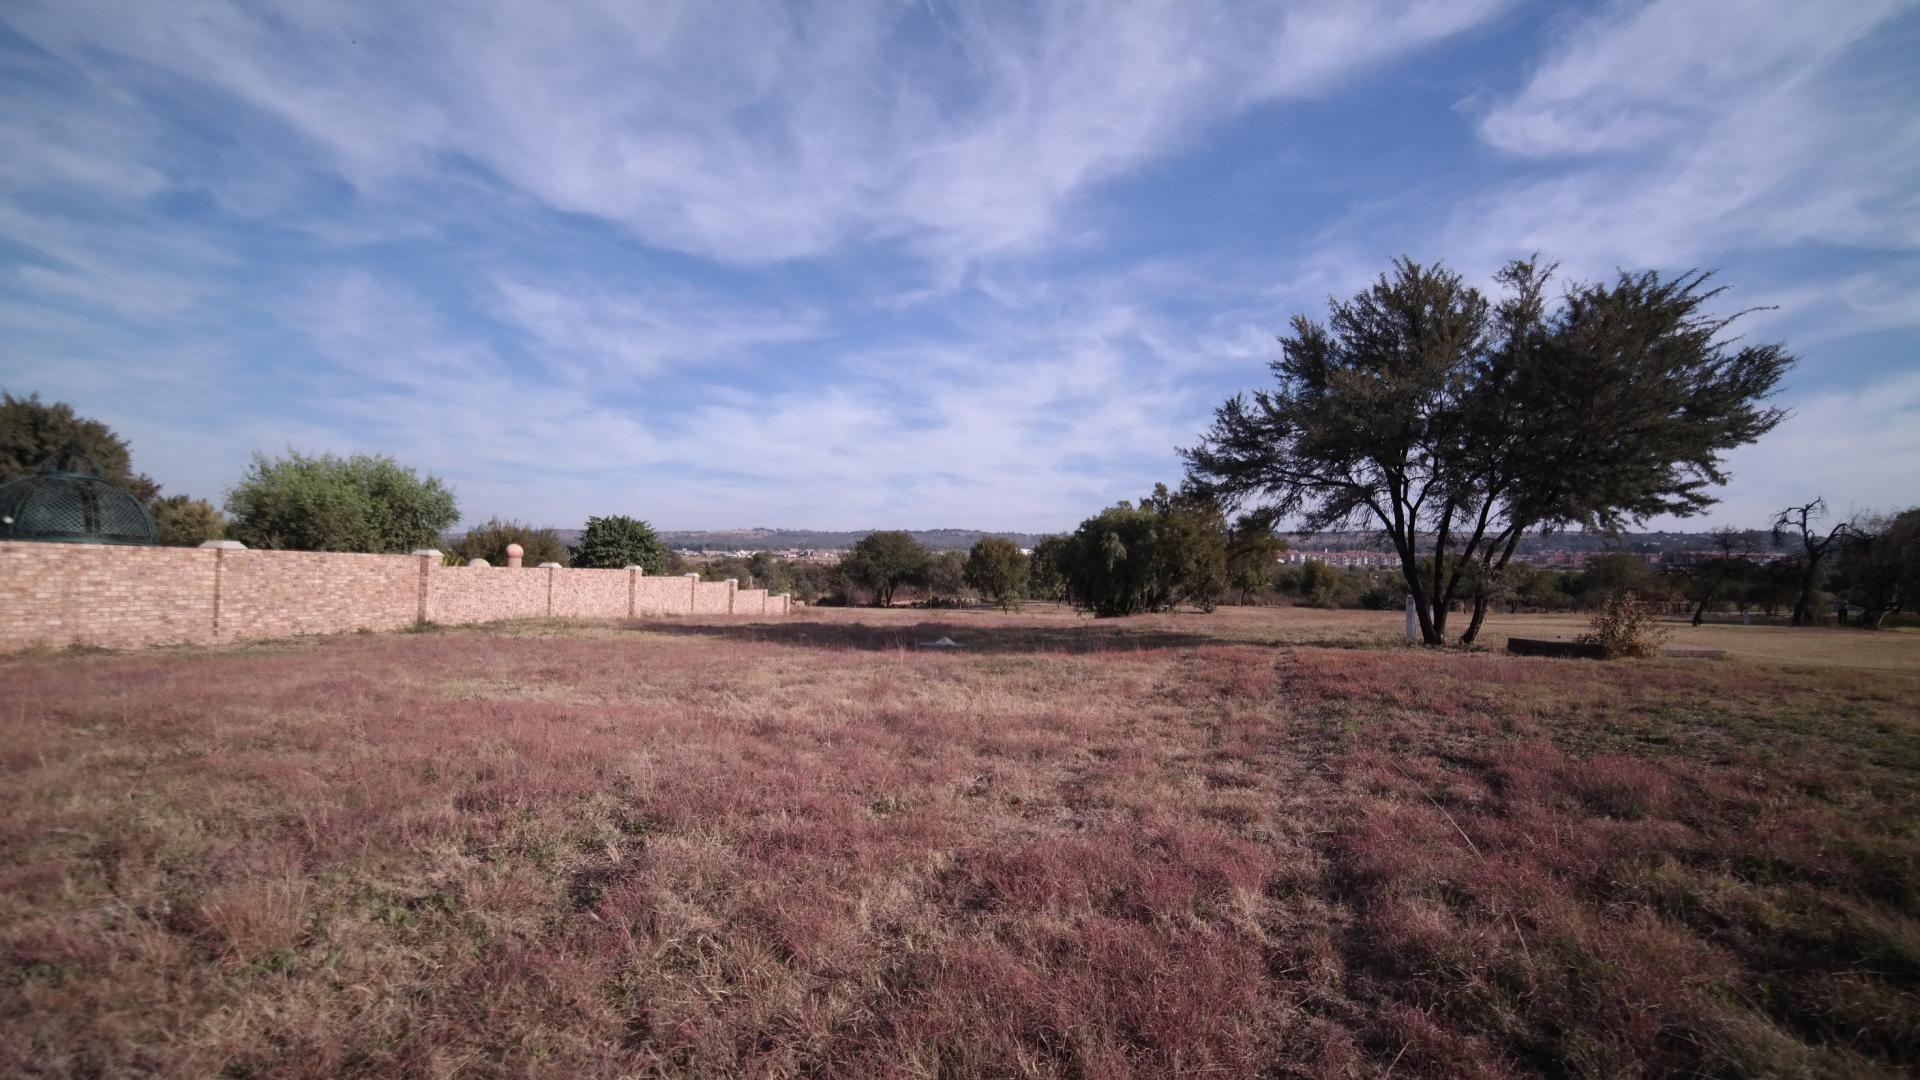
1045	573
1169	549
1382	598
361	503
617	541
996	570
1625	627
946	580
883	561
186	522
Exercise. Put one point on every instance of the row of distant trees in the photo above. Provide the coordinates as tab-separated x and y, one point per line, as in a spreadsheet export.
1172	550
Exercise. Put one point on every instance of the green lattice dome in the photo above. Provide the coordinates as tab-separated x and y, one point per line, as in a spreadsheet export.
69	502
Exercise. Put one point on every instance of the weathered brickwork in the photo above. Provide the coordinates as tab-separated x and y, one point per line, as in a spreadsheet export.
57	595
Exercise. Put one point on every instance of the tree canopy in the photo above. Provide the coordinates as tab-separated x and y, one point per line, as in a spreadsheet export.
1455	423
883	561
181	521
1878	567
616	541
31	431
1165	550
997	570
364	502
1045	578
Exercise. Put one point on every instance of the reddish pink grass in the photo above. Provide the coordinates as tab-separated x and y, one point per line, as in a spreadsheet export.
815	849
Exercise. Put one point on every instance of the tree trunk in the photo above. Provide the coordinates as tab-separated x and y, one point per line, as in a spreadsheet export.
1480	605
1700	612
1431	633
1803	607
1488	569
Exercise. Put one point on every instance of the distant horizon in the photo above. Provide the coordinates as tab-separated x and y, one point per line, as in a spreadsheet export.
665	531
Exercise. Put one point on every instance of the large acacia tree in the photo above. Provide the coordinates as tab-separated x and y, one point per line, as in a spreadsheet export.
1455	423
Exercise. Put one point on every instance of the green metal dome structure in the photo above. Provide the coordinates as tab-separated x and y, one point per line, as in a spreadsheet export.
69	502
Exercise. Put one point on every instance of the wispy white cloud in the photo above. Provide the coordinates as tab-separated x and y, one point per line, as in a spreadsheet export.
598	333
1697	128
752	132
1639	75
1855	447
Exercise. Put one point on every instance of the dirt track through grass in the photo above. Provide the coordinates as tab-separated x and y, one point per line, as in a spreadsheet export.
1267	843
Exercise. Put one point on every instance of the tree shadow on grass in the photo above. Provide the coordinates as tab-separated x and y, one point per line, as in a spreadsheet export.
971	637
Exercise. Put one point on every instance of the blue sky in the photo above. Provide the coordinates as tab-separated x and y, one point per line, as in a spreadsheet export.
903	264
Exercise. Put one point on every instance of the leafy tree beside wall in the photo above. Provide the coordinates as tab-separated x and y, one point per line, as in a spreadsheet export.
489	542
31	431
617	541
364	502
186	522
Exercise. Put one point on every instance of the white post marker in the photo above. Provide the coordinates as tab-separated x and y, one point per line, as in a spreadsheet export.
1413	623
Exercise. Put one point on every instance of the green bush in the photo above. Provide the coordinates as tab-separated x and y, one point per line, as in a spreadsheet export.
327	503
186	522
1167	550
884	561
1625	627
616	541
997	570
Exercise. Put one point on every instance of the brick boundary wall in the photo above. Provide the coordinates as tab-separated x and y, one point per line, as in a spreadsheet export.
55	595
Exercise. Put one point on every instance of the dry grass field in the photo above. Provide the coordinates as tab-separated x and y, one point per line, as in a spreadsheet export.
1258	843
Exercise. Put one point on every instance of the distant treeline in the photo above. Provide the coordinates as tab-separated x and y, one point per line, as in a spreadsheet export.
964	539
830	540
